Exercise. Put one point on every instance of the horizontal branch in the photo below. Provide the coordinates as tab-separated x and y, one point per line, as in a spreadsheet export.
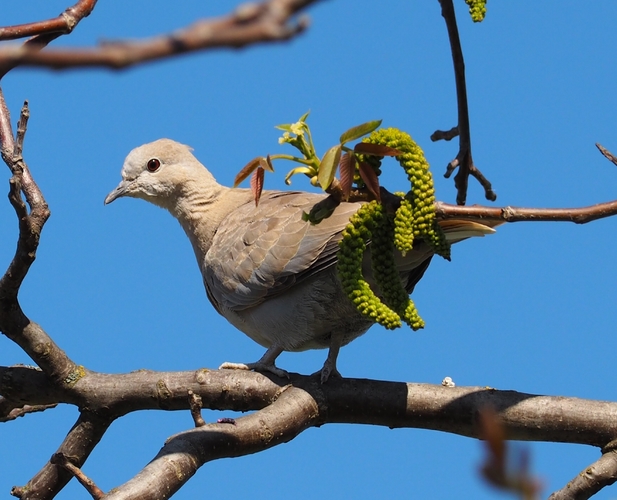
580	215
61	25
527	417
251	23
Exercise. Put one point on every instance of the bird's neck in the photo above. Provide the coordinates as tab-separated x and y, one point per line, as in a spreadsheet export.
200	212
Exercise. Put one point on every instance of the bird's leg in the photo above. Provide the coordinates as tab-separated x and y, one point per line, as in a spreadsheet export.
329	367
265	364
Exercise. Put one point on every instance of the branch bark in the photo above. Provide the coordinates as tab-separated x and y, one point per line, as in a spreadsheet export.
250	24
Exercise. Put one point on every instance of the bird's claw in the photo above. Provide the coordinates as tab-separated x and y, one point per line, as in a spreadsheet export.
258	367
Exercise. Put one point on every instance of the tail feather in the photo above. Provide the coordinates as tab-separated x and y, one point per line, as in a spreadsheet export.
461	229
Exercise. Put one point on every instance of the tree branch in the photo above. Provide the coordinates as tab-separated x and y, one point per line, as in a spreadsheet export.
43	32
580	215
588	482
463	160
253	23
78	444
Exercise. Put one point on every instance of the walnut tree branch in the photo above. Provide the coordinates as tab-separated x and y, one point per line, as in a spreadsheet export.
590	481
44	32
251	23
32	213
463	161
579	215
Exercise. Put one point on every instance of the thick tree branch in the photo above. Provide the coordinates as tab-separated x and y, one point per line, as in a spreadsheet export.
250	24
463	161
293	411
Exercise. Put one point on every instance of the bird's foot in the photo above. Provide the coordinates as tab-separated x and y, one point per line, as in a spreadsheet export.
329	370
258	367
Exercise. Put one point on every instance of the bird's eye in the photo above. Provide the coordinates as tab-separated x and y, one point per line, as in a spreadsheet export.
153	164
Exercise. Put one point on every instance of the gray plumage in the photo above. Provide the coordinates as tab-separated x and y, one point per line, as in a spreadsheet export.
269	273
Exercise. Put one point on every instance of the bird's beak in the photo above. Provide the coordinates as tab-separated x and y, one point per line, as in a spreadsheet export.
121	190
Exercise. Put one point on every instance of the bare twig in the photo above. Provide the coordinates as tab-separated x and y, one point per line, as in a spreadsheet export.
588	482
268	21
16	412
463	161
78	444
196	405
62	460
610	156
61	25
44	32
444	135
581	215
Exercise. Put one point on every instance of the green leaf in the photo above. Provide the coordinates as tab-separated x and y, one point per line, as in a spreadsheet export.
304	116
376	149
359	130
284	126
327	167
247	170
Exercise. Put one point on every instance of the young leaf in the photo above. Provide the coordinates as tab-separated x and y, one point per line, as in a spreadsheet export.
257	184
347	169
247	170
376	149
284	126
359	130
304	116
327	167
266	163
370	179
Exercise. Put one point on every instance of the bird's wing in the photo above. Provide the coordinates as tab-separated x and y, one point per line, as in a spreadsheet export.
259	252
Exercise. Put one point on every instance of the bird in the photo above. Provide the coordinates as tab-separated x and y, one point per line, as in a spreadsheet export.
270	273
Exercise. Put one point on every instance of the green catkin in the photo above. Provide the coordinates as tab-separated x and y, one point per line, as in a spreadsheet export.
477	9
415	218
351	253
385	272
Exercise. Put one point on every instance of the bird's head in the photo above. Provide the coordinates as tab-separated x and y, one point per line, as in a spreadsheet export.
157	172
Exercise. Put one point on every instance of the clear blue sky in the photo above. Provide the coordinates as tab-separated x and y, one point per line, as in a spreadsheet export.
531	308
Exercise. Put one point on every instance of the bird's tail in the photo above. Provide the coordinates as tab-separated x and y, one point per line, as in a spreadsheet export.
460	229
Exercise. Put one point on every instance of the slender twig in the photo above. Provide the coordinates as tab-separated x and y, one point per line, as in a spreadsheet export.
78	444
250	24
464	160
580	215
610	156
63	24
43	32
62	460
195	405
592	479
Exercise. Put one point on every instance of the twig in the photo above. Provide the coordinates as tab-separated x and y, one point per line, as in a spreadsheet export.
610	156
61	460
195	406
580	215
61	25
268	21
588	482
78	444
16	412
464	160
44	32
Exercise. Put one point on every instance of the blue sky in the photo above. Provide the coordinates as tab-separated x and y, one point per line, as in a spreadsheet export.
530	308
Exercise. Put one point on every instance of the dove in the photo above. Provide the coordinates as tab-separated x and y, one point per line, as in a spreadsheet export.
271	274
